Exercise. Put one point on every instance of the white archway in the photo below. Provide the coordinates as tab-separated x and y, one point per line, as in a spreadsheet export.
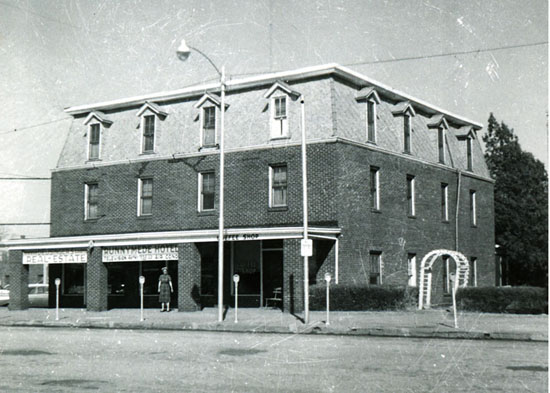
462	273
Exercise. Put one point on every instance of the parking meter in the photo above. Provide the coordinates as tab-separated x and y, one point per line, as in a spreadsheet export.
57	284
236	279
141	282
327	279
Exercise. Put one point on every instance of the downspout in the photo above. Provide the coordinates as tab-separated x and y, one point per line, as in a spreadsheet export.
459	175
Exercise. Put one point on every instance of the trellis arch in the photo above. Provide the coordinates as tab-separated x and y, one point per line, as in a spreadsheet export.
462	273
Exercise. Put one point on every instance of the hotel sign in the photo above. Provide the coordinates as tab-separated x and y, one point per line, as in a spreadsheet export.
36	258
140	253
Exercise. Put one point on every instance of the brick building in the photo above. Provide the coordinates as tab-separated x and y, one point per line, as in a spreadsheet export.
390	178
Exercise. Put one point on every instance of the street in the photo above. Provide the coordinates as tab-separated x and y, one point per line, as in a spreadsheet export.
71	360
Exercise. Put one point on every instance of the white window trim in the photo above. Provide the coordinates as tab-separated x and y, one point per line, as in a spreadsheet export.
274	122
140	187
413	197
200	205
374	125
446	201
271	185
86	199
473	207
411	266
202	116
377	185
90	138
142	127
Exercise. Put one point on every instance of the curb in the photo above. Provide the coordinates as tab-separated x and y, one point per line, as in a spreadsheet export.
291	329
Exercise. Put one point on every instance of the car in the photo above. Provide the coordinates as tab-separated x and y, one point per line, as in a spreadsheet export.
38	295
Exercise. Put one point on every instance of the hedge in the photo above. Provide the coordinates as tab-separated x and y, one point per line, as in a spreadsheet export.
345	297
514	300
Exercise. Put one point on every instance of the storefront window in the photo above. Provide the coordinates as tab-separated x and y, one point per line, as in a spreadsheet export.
73	278
151	270
116	279
246	263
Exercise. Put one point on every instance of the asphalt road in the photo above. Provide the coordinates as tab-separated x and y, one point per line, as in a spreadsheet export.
75	360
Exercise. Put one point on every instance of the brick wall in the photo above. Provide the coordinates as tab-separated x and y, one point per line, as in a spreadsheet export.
19	281
96	283
189	277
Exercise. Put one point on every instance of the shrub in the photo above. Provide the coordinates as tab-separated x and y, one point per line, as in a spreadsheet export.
345	297
514	300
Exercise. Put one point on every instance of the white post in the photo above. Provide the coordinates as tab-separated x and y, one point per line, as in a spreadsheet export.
327	279
220	229
57	283
304	198
236	279
141	282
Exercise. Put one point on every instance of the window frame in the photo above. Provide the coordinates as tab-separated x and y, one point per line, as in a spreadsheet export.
473	208
371	126
279	122
141	197
87	202
447	288
374	188
469	156
444	202
144	118
441	139
473	271
411	198
201	193
411	270
90	133
272	186
407	133
204	108
375	260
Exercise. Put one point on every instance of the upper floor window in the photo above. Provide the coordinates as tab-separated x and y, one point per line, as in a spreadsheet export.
91	210
208	126
411	209
375	268
207	191
278	185
371	121
473	208
441	144
374	188
444	202
148	142
279	121
469	159
447	283
407	134
145	197
473	272
94	141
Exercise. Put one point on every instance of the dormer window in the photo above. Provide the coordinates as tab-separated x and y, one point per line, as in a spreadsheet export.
279	95
468	135
438	121
406	110
149	114
209	106
95	121
469	159
279	125
148	142
369	95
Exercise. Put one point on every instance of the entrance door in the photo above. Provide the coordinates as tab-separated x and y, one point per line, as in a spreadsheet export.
272	268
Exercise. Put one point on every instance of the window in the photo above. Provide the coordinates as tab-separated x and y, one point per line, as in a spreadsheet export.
279	122
207	192
441	144
91	211
473	272
469	162
407	133
209	126
278	185
371	121
94	137
145	197
375	273
73	278
411	211
148	144
411	269
444	202
446	275
473	208
374	188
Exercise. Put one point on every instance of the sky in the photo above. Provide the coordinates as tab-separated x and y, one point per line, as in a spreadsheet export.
469	57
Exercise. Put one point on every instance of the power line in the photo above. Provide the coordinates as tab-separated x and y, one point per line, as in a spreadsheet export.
35	125
25	223
25	178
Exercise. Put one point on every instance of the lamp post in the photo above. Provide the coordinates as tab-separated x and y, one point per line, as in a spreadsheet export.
183	53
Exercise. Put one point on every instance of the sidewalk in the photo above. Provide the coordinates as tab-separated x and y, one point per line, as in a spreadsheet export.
421	324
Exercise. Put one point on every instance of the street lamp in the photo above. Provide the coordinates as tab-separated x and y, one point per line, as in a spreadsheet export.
183	53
